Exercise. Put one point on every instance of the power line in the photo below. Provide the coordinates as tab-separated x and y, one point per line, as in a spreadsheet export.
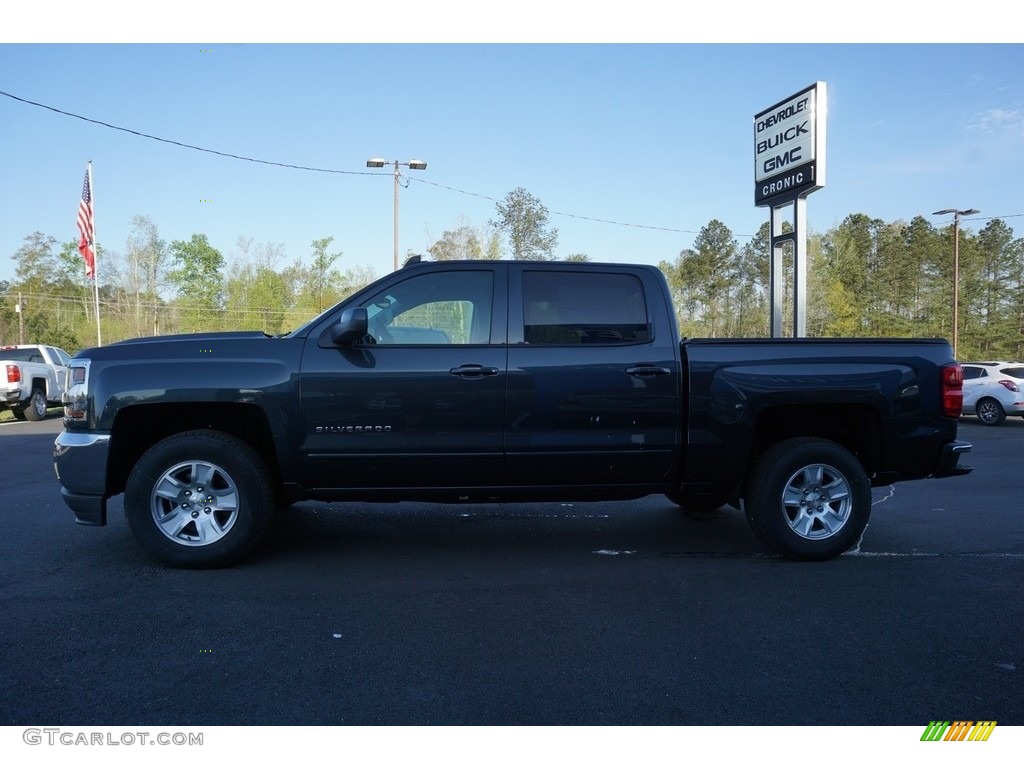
368	173
562	213
183	144
322	170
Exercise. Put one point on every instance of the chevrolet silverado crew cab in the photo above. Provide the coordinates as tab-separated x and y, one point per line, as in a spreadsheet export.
500	381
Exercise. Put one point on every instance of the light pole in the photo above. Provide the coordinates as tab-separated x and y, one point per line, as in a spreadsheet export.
415	165
956	265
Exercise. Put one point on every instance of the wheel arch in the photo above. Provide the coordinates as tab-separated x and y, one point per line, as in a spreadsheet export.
137	428
718	477
856	427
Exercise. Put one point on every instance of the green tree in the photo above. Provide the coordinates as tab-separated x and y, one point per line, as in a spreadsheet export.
356	278
271	299
848	256
751	283
1015	305
258	297
76	308
708	269
492	245
458	244
841	314
937	295
50	313
857	232
920	244
683	295
144	274
988	329
36	262
8	317
324	280
524	221
197	280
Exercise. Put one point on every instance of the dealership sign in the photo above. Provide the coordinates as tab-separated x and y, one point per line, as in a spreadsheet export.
789	147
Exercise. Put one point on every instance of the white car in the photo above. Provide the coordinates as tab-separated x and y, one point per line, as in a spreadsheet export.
993	391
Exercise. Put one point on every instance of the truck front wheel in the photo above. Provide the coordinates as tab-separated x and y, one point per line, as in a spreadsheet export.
199	499
808	499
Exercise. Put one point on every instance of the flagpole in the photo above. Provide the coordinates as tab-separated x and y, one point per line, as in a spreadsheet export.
95	260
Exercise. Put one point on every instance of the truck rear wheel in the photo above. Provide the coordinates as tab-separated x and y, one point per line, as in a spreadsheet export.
808	499
36	408
199	499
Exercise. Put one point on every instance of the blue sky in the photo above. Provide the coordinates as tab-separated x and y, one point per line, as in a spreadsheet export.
632	147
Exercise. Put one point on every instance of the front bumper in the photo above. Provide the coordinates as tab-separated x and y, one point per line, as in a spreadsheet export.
948	465
80	461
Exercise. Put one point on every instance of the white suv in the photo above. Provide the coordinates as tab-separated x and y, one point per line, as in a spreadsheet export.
993	390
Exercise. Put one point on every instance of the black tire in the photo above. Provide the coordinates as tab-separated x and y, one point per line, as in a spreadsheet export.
35	410
196	485
19	412
990	412
788	478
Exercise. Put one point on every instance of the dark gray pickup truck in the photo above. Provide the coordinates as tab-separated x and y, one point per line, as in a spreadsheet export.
500	381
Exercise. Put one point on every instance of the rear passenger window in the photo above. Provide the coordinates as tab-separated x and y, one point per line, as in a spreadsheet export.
583	308
972	372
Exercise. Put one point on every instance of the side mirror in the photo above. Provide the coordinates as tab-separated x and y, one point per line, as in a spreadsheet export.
350	328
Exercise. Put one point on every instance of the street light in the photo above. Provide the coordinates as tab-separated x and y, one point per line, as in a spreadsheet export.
956	265
415	165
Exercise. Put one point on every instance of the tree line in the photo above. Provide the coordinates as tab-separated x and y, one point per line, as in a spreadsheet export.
154	287
866	277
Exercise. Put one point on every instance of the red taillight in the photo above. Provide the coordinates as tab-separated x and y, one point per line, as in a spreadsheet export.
13	374
952	390
1010	385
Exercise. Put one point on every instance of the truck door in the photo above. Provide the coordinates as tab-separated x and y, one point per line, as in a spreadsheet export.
59	359
420	402
593	390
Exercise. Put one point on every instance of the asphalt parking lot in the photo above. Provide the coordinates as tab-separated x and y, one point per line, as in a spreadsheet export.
620	613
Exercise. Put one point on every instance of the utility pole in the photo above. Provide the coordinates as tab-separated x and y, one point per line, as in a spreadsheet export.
415	165
20	309
956	266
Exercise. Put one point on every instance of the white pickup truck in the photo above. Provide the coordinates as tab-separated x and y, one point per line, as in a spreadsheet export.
32	379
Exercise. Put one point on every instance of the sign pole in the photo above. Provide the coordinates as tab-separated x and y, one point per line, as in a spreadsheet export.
789	164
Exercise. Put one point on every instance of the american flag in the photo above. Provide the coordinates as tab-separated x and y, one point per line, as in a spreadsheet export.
85	227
